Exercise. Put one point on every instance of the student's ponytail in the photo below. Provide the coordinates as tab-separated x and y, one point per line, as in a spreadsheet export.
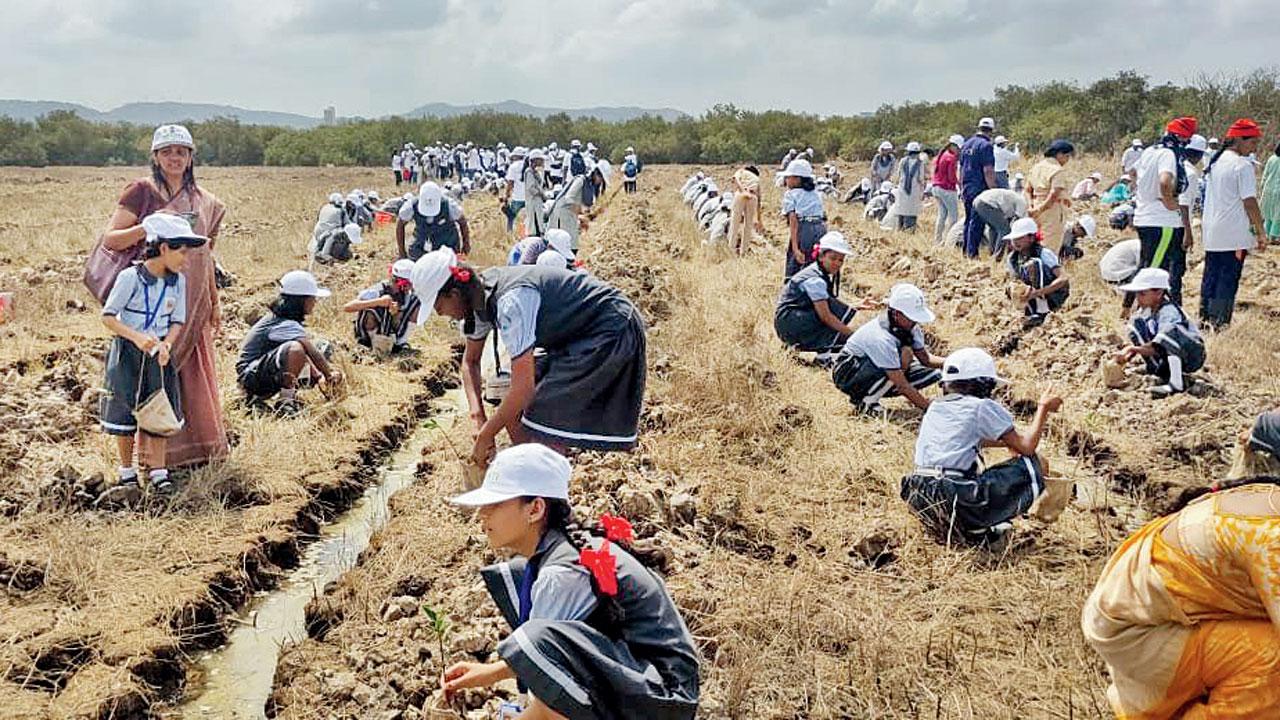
1226	145
1190	495
466	280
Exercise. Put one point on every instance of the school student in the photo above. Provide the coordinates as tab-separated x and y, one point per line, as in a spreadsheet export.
950	491
1161	177
385	313
809	315
1072	233
1233	225
437	222
526	250
1037	267
883	164
536	192
887	356
1161	334
594	632
586	390
631	169
277	351
1185	611
806	217
1121	262
146	311
1087	189
559	252
513	197
569	209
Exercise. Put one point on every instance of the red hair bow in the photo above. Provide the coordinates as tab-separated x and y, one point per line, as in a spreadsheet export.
616	528
603	567
462	275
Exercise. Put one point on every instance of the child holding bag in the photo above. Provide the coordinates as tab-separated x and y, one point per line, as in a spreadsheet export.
146	310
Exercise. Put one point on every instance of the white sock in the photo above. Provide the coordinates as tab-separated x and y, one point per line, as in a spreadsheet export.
159	474
1175	372
128	473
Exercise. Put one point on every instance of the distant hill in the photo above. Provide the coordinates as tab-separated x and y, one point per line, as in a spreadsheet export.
157	113
515	107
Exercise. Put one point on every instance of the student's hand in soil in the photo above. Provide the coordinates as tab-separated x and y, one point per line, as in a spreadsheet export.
870	304
1050	402
463	675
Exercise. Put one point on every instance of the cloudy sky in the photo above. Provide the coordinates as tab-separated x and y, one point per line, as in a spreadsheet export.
373	57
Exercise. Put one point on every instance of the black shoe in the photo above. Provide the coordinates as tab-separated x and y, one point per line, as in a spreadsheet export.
288	407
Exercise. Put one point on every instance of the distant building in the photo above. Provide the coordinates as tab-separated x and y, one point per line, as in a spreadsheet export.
330	116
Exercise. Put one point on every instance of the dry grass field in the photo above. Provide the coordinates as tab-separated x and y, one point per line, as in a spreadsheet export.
811	590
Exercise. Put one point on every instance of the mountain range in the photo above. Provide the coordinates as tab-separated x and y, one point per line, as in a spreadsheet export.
157	113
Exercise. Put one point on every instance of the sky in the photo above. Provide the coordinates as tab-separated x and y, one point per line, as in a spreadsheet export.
376	57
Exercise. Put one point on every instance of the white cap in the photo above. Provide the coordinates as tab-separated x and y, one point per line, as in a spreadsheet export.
373	195
402	268
909	300
1021	228
560	241
591	147
987	123
1089	224
1197	143
527	470
1019	176
886	186
301	282
537	154
354	198
913	147
407	196
604	168
519	150
1097	176
429	198
576	143
630	149
885	145
352	232
970	363
167	135
1137	142
1000	139
166	226
798	168
335	198
956	140
430	273
1214	141
1148	279
835	242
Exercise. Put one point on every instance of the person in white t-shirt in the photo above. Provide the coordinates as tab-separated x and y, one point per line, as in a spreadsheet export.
1232	221
1004	156
397	164
513	187
1130	157
1160	178
1192	154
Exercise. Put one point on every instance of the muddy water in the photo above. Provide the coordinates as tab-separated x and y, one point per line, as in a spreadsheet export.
238	676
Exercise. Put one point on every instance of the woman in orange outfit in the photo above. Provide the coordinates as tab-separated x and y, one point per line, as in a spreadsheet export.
1187	609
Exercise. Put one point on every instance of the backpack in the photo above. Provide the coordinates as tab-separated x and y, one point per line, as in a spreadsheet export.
577	164
630	169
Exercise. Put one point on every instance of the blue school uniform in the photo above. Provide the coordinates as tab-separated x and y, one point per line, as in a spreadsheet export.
153	306
812	221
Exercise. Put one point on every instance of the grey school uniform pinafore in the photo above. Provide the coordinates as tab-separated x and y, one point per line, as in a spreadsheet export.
643	668
796	321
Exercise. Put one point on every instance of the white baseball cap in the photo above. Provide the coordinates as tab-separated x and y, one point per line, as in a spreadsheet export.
987	123
527	470
402	268
429	198
909	300
430	273
798	168
301	282
1021	228
591	147
885	145
166	226
352	231
575	143
167	135
835	242
373	195
886	186
1148	279
1000	140
560	241
519	151
1197	143
1090	225
1097	176
956	140
970	363
630	149
1214	141
335	198
913	147
537	154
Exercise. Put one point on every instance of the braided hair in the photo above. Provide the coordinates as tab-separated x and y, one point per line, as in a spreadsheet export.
472	291
1226	145
1192	494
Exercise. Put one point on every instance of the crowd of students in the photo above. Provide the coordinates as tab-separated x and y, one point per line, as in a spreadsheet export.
592	628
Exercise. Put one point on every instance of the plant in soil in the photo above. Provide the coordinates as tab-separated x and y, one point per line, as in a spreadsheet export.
440	627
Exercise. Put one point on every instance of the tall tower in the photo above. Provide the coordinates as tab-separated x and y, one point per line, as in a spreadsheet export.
330	116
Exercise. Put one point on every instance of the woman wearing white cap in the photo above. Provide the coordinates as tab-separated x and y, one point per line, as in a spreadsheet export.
887	356
387	312
805	214
569	209
535	193
631	168
586	390
883	164
1130	157
911	175
1161	334
437	222
950	491
946	186
809	316
594	632
172	188
277	351
1038	268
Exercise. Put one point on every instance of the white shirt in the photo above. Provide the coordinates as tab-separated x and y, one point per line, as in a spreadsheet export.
1187	198
1004	156
1130	158
954	427
515	175
397	162
1121	261
1226	225
1150	211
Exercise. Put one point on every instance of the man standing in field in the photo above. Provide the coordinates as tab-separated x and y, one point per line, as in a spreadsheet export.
1160	178
977	174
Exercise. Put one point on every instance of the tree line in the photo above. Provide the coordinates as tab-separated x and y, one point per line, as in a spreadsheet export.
1100	117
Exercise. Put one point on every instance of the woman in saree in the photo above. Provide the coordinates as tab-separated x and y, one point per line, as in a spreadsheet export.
172	188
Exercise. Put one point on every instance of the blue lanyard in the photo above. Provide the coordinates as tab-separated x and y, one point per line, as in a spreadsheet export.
525	593
149	315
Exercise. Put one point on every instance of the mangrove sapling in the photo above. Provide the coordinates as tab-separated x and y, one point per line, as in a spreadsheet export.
440	627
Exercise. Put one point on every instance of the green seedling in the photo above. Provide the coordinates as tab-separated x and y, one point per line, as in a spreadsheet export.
440	626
